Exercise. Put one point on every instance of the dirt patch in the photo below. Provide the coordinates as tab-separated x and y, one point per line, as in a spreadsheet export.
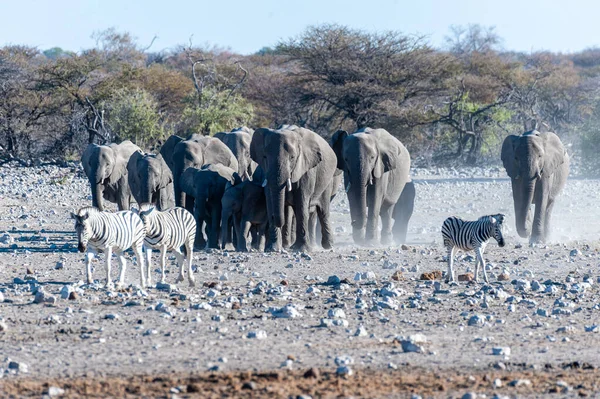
278	384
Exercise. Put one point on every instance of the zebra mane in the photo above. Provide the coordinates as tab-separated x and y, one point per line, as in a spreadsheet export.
88	210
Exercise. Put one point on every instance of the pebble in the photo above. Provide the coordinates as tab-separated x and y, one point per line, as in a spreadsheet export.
476	320
286	312
333	323
336	313
361	331
259	334
501	351
412	343
518	383
55	391
18	366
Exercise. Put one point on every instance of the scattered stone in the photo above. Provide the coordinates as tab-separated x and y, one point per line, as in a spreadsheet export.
259	334
333	323
501	351
312	372
336	313
519	383
54	392
17	366
344	371
412	343
250	385
476	320
3	327
503	277
466	277
333	280
361	331
286	312
397	276
430	276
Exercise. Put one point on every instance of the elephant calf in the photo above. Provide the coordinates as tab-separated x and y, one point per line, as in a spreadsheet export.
206	186
246	204
151	180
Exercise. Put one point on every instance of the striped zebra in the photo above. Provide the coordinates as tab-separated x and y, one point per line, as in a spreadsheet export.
169	230
109	232
471	235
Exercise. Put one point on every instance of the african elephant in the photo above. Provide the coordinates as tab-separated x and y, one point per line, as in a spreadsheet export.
195	152
299	164
106	169
403	211
376	167
206	186
246	204
150	180
238	141
538	166
168	148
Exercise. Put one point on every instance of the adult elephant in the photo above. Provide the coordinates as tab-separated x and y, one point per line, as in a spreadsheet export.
196	152
150	180
106	169
376	167
207	186
538	166
403	212
238	141
299	164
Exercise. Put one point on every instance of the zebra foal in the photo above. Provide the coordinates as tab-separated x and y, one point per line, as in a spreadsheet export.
109	232
471	235
169	230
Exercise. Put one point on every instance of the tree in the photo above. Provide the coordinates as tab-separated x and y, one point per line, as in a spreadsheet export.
368	79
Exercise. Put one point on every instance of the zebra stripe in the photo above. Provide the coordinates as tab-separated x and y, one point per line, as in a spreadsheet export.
169	230
107	232
471	235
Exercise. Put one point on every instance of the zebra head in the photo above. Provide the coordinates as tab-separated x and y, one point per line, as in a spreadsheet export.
497	221
145	213
82	228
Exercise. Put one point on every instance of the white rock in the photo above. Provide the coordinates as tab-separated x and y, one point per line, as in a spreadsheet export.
287	312
336	313
501	351
258	334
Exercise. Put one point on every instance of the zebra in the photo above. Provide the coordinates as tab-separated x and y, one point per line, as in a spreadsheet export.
169	230
471	235
107	232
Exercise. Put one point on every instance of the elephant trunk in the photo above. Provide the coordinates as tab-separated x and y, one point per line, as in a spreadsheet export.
523	196
357	199
97	190
278	202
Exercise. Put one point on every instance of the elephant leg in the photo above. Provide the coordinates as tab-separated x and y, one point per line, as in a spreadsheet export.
374	205
326	229
312	227
288	228
301	211
386	223
261	230
541	204
199	241
546	227
189	203
243	238
403	212
215	227
274	241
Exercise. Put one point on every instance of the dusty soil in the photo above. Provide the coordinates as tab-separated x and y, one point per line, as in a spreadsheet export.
257	317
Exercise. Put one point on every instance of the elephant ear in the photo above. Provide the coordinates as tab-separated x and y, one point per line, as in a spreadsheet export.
337	143
554	153
389	151
257	146
508	155
309	153
132	172
86	156
168	148
166	176
218	152
221	136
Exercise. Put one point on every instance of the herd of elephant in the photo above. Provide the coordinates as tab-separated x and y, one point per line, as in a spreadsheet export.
270	188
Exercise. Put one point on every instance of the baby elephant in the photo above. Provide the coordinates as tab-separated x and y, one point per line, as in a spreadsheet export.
207	186
471	235
169	230
107	232
246	204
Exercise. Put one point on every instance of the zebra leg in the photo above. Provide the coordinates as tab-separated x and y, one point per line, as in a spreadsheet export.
450	274
189	248
148	266
479	252
108	254
181	263
163	263
123	265
139	254
88	266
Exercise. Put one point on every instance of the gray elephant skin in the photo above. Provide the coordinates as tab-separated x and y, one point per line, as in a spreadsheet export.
194	152
403	211
245	205
150	180
376	167
238	141
106	169
299	166
538	166
206	186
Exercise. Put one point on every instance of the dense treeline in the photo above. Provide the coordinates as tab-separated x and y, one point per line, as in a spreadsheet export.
450	105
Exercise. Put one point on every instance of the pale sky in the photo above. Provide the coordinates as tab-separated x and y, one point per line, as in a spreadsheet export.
247	26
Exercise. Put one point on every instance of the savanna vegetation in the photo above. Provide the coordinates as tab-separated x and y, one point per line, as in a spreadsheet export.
450	105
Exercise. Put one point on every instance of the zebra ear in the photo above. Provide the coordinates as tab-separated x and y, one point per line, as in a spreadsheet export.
494	221
74	216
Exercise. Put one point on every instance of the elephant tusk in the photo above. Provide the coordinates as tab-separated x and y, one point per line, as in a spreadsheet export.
371	181
264	183
348	186
289	184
